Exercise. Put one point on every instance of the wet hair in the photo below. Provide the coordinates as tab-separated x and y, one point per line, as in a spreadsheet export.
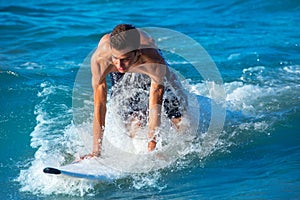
125	36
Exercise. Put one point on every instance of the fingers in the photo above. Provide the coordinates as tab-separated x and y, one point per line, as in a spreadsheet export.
88	156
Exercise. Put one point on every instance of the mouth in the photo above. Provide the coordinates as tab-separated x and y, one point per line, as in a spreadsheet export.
121	69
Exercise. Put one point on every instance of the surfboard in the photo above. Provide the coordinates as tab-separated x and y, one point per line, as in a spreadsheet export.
86	169
50	170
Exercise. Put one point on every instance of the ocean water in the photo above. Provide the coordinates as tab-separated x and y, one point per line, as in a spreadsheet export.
46	99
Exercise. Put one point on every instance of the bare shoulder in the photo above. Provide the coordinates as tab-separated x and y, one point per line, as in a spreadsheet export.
103	50
146	41
101	59
151	55
104	40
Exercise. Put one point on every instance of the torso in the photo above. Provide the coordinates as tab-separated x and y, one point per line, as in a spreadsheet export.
147	62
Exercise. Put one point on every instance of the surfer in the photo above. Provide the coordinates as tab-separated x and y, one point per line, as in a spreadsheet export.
130	50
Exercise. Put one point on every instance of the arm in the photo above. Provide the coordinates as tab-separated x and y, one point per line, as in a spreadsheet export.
99	71
177	86
100	98
155	102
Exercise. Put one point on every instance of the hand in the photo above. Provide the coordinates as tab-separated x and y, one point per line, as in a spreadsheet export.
151	145
90	155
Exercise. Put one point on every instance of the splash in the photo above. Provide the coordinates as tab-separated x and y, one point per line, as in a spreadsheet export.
55	142
58	142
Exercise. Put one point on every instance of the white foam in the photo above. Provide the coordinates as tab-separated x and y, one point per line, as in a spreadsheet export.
32	65
233	56
52	145
293	69
245	97
10	73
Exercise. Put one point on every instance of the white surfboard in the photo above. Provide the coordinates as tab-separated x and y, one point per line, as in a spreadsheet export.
91	169
57	171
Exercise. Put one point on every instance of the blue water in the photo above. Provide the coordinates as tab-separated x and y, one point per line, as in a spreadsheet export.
255	45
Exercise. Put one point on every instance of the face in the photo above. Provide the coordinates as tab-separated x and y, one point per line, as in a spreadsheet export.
123	61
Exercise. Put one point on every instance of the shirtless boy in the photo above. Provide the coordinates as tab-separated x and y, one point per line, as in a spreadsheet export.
130	50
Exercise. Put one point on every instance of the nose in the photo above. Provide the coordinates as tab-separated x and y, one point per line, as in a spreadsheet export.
119	63
122	64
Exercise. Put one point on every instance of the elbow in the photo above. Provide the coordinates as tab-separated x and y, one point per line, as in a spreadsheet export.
159	89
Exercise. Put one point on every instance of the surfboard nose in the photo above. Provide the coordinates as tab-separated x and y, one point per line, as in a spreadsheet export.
50	170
